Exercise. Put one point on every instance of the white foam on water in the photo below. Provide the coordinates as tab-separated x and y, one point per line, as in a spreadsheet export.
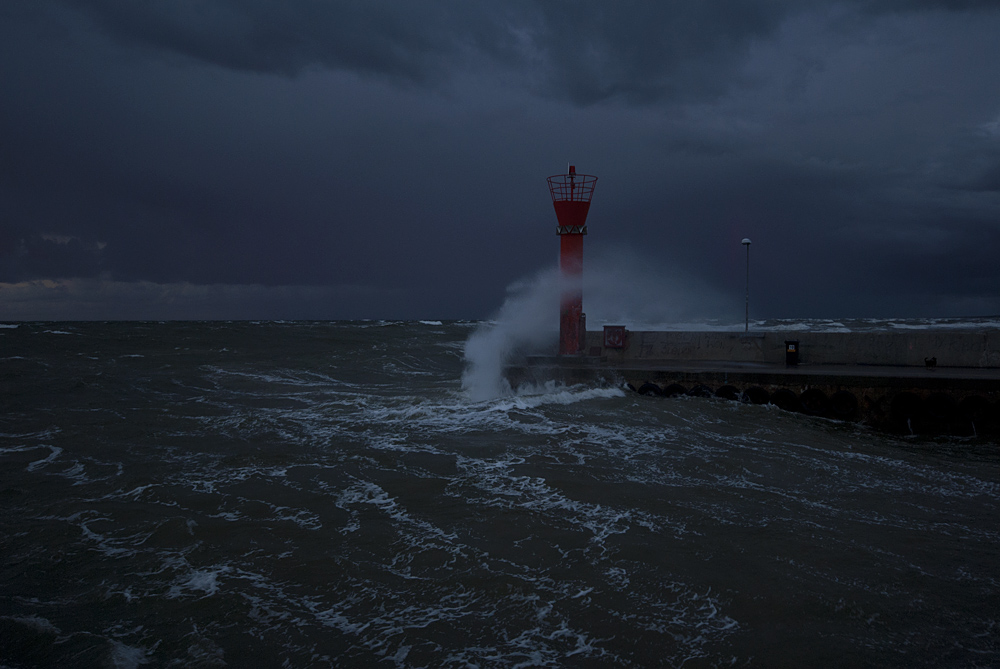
811	325
336	618
54	452
308	379
636	325
505	488
203	651
307	520
77	472
20	448
8	326
948	323
431	323
530	397
127	657
36	623
366	492
457	416
115	547
199	581
396	369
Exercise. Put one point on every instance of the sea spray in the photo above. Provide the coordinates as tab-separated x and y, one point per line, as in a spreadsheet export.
623	287
526	323
620	287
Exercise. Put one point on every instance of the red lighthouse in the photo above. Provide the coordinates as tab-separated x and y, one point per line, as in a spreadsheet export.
571	195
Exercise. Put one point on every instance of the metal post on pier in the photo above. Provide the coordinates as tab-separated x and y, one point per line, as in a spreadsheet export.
746	242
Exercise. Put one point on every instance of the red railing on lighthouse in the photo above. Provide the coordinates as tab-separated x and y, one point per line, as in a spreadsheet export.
571	194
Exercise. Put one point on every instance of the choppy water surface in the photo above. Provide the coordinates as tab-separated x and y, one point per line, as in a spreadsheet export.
312	494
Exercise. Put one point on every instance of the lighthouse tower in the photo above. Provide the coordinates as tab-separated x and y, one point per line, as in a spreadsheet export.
571	195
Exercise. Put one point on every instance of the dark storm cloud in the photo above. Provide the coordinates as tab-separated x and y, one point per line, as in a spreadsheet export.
396	151
586	50
400	39
972	162
641	52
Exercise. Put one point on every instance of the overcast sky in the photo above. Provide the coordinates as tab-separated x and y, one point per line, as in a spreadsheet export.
387	158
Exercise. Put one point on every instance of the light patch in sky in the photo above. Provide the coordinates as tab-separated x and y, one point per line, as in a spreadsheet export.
68	239
102	299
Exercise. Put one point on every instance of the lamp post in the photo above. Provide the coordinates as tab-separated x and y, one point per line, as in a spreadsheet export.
746	243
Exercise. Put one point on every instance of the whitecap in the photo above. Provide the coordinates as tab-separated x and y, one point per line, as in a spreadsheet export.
127	657
54	453
529	397
205	580
36	623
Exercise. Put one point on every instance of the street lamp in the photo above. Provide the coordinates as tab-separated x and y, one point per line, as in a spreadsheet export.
746	243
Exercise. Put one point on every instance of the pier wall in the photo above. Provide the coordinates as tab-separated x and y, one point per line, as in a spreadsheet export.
877	378
980	349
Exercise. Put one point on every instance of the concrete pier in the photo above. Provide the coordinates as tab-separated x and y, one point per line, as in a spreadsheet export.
915	381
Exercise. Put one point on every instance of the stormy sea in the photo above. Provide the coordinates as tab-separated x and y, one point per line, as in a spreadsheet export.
308	494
